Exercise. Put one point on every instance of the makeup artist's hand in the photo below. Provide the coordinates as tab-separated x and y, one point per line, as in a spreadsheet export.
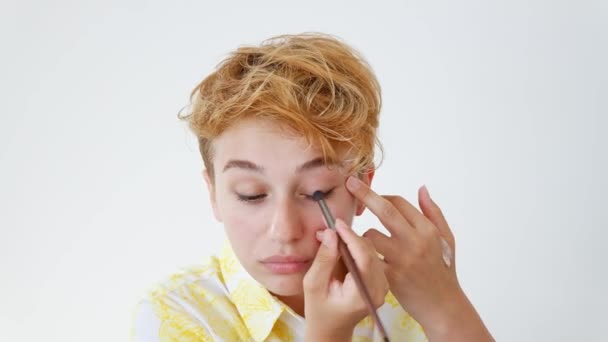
414	266
334	307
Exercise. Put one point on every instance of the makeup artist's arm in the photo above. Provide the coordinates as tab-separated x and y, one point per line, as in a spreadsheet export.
414	267
334	307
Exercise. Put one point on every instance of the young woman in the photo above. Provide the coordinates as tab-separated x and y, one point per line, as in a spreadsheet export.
275	123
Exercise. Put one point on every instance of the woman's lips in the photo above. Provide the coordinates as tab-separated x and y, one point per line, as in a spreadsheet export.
286	264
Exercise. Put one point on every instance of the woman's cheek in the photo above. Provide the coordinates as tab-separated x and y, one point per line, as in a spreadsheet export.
244	220
343	207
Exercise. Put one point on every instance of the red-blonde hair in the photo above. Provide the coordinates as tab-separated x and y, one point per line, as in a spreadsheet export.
312	83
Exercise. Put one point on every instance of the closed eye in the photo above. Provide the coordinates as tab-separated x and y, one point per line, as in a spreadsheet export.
250	198
259	197
326	194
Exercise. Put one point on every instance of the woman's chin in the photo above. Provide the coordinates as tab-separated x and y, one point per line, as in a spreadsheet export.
284	285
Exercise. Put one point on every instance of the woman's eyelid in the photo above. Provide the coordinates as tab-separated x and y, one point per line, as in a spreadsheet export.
263	193
256	196
249	190
325	193
251	198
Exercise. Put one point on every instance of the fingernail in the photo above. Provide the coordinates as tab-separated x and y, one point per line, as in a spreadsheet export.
426	190
353	182
319	235
327	239
341	224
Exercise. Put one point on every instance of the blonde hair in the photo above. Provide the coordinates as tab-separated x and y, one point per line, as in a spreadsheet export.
312	83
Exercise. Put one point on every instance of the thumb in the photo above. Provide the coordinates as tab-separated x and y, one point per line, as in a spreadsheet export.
320	272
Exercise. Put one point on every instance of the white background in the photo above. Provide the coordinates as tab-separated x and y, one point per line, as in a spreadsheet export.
498	106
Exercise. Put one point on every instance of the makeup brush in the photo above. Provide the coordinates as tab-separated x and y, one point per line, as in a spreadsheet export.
319	196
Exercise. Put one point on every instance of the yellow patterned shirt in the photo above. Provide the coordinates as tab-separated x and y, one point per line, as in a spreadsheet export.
220	301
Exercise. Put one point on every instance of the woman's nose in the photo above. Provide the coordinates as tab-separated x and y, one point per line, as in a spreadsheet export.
286	225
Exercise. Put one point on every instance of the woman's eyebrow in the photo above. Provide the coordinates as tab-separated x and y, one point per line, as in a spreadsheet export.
251	166
243	164
313	164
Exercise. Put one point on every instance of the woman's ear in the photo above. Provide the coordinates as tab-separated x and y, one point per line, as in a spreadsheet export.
367	179
212	196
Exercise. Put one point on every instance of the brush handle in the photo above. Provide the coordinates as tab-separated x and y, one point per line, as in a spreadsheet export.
349	262
354	271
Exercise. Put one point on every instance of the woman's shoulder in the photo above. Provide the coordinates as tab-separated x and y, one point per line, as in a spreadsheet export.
184	304
188	285
206	274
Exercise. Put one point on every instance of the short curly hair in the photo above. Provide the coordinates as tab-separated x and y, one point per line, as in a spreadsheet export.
312	83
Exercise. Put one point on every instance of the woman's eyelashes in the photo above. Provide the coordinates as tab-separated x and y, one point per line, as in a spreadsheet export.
325	194
250	198
259	197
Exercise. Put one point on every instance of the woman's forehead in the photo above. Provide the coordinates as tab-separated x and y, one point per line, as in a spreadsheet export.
261	138
259	144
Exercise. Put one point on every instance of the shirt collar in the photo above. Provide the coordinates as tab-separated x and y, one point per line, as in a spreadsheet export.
257	307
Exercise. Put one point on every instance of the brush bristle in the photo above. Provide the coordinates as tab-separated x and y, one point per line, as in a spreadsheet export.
318	195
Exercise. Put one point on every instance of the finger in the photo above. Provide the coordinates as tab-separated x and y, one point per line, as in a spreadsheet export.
370	267
361	249
411	213
319	275
381	242
432	211
386	212
377	287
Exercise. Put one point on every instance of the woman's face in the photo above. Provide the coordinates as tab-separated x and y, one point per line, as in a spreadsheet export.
262	187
